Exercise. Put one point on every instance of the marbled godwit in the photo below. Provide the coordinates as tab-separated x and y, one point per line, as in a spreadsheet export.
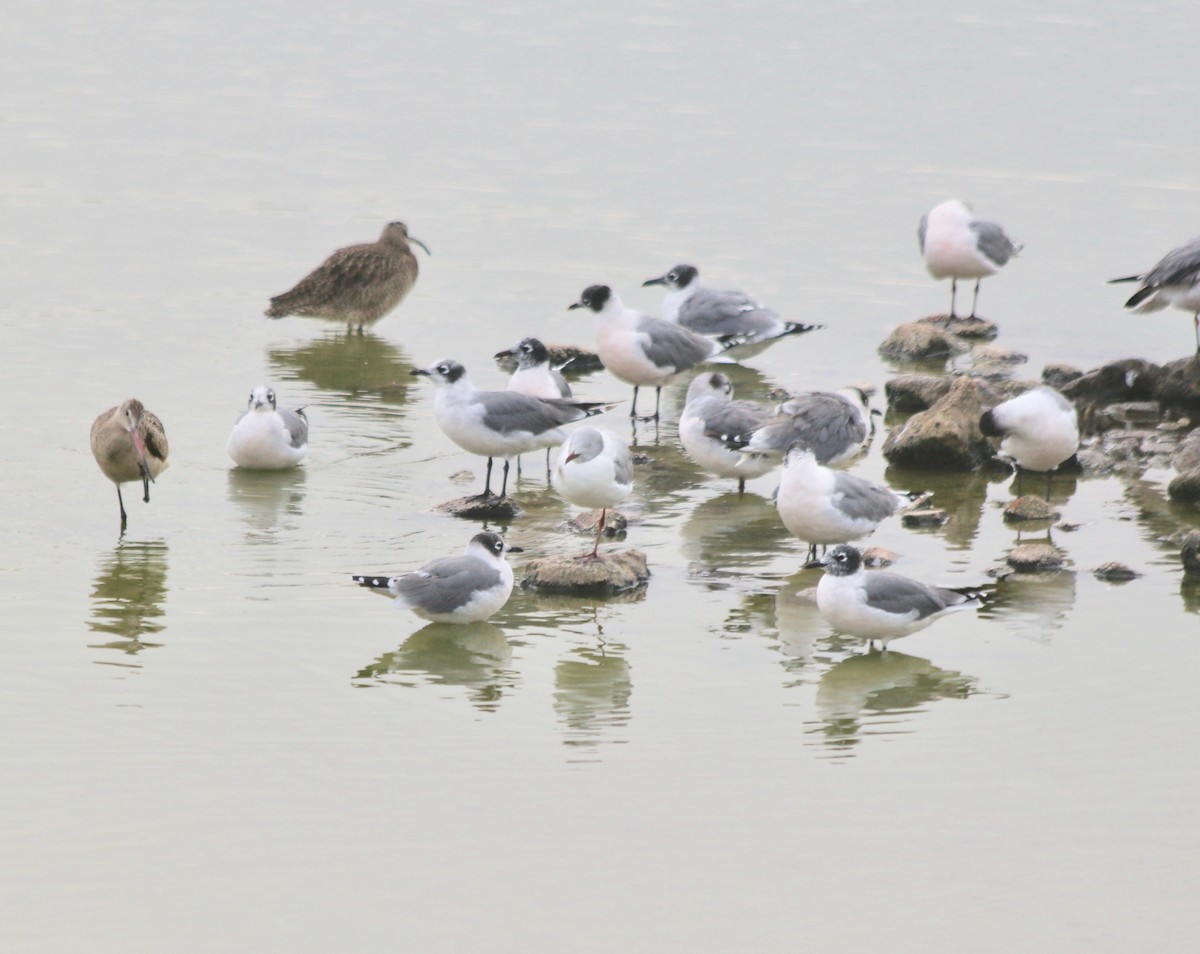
129	443
356	285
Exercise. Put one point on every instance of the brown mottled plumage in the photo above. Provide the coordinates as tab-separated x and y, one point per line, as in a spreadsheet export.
357	285
129	443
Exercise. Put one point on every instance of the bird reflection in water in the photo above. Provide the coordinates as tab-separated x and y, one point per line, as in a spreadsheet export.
358	365
128	596
475	656
591	697
267	499
875	694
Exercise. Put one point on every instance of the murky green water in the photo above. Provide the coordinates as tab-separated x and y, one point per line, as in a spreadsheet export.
214	741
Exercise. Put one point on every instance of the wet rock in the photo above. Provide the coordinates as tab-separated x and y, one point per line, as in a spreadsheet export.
1189	552
615	522
916	341
1034	558
930	517
944	437
1179	383
991	356
481	508
1129	380
1115	573
1185	488
608	574
977	329
1029	508
1094	462
915	392
1059	375
1187	454
878	556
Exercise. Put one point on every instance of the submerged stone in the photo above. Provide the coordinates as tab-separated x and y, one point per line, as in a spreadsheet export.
1189	552
1035	558
916	341
928	517
976	328
481	508
606	575
615	522
1115	573
1029	508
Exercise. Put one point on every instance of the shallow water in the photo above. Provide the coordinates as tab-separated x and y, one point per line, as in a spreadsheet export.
703	766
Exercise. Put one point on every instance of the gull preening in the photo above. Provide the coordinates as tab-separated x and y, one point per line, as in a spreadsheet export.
957	245
822	506
710	412
594	469
129	444
835	424
640	350
356	285
880	606
725	315
457	589
266	438
1173	281
498	423
1039	430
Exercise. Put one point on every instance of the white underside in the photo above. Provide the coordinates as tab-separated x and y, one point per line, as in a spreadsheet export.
260	441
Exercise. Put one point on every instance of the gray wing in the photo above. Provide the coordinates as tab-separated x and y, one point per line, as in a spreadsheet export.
723	418
861	499
991	240
712	312
623	467
564	389
509	412
1180	266
672	346
443	585
922	227
893	593
296	423
827	422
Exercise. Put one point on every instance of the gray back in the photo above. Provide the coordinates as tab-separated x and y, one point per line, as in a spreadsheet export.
445	584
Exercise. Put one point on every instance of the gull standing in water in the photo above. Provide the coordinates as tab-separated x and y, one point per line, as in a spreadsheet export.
534	377
498	423
356	285
882	606
721	314
594	469
1040	430
835	424
1173	281
640	350
710	411
957	245
455	589
265	438
129	444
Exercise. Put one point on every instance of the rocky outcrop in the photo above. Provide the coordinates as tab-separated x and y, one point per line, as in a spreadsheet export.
605	575
944	437
1179	384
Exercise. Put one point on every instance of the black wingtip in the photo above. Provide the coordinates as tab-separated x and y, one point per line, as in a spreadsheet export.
373	582
796	328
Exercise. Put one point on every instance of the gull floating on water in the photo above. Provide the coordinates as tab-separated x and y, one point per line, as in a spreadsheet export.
1040	430
129	444
356	285
1173	281
498	423
640	350
266	438
882	606
709	412
454	589
957	245
594	469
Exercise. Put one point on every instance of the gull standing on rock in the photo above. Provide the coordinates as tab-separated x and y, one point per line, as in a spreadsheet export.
709	411
498	423
534	377
458	589
882	606
957	245
357	285
129	444
266	438
640	350
835	424
723	315
1173	281
594	469
1040	430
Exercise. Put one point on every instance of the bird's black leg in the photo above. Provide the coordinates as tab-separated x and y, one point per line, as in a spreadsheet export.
975	298
504	482
633	409
121	504
547	465
953	295
487	483
145	483
741	485
657	399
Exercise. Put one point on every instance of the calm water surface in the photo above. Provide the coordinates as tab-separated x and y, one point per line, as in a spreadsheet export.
213	741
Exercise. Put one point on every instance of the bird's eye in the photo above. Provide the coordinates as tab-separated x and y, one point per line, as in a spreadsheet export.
527	348
672	277
442	369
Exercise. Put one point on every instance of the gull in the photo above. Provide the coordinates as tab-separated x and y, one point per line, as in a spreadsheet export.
534	377
498	423
594	469
1173	281
456	589
1040	430
710	411
835	424
641	350
721	314
823	506
880	605
265	438
129	443
957	245
356	285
